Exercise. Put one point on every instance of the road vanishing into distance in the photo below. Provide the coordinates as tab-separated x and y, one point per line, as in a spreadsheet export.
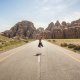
29	62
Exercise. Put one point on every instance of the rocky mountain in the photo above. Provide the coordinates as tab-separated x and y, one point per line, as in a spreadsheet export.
50	26
26	29
23	29
63	30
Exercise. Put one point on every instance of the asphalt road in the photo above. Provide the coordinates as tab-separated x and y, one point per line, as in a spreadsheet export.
53	63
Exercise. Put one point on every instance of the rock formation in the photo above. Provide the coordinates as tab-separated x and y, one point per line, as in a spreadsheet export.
24	29
64	30
51	25
38	32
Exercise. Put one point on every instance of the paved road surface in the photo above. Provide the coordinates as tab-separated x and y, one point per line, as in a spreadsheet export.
53	63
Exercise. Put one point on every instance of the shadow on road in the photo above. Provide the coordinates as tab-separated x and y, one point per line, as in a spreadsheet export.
38	54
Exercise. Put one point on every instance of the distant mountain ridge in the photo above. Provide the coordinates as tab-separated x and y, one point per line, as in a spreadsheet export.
26	29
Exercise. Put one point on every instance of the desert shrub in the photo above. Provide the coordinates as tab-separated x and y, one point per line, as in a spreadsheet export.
1	46
77	47
1	40
6	44
49	40
3	43
12	42
64	44
54	40
26	41
9	43
71	45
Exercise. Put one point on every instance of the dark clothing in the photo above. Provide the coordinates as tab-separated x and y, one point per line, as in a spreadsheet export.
40	44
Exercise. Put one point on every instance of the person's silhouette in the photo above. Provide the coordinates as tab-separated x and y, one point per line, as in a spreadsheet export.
40	43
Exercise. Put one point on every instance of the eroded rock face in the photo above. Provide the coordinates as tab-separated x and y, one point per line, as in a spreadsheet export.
46	34
57	33
69	33
38	33
64	30
57	24
50	27
24	29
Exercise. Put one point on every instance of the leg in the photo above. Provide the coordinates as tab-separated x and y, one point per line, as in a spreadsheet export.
41	44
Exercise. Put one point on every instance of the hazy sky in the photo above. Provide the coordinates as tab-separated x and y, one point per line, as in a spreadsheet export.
40	12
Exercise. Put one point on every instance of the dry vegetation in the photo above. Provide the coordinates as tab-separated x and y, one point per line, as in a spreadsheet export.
7	43
72	44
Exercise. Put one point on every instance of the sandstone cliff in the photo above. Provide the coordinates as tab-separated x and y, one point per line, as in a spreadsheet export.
26	29
23	29
64	30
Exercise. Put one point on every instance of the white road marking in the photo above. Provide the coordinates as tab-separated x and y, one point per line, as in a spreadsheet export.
39	67
39	59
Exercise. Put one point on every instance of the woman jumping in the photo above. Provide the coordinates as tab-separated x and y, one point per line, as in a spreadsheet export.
40	43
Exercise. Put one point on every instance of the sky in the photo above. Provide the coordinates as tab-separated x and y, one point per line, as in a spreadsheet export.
40	12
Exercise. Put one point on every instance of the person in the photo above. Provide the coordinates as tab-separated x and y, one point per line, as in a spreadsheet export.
40	43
